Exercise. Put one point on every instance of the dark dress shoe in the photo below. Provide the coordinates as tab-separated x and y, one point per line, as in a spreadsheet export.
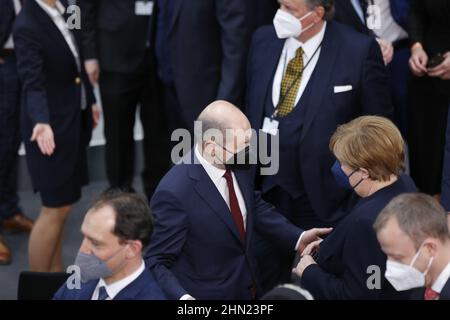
18	223
5	253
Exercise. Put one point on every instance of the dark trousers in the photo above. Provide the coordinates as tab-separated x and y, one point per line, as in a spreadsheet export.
121	94
429	100
398	71
9	137
173	109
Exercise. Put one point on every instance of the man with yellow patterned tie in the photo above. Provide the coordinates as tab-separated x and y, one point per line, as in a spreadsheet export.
307	75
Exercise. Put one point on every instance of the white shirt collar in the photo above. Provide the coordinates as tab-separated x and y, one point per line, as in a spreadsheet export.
213	172
54	12
310	46
441	281
113	289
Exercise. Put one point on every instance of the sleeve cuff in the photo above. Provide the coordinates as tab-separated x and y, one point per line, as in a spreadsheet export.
299	241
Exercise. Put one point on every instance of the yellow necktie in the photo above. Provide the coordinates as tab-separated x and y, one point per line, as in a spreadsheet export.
291	84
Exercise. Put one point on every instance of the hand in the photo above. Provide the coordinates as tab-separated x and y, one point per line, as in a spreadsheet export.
2	61
93	70
312	248
418	61
304	263
443	70
43	134
96	114
311	236
387	49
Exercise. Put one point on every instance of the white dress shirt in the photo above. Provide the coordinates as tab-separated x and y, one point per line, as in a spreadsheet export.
389	28
10	43
290	48
441	281
113	289
216	176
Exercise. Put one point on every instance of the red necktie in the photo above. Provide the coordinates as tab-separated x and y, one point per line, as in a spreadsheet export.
234	206
430	294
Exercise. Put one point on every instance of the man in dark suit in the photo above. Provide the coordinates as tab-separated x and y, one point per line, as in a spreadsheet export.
388	23
116	230
201	51
117	55
207	212
445	194
413	232
11	217
322	75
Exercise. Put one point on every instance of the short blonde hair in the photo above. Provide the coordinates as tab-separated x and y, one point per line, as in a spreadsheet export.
370	142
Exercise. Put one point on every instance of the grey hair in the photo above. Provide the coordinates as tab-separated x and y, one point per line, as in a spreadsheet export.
418	215
328	5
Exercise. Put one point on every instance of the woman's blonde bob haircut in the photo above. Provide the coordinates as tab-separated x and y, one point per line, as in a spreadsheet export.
372	143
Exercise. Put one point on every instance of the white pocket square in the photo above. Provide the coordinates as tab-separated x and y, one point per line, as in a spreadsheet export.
339	89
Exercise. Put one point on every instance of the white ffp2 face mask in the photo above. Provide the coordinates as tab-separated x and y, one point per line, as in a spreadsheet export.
405	277
288	26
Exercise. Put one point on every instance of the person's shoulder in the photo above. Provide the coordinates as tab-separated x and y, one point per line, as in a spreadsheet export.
85	289
175	177
152	290
25	22
264	34
349	37
178	180
407	183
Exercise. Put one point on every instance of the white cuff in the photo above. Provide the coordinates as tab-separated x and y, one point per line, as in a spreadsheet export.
299	240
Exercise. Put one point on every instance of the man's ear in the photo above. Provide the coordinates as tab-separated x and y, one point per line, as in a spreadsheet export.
135	249
431	245
320	14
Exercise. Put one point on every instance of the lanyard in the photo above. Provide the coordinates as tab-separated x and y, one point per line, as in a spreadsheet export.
282	98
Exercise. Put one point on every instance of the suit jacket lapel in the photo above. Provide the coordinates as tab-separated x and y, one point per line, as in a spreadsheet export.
270	55
445	293
48	23
351	13
321	77
88	290
209	193
175	14
131	291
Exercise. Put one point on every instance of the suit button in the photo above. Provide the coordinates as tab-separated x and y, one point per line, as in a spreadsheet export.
77	80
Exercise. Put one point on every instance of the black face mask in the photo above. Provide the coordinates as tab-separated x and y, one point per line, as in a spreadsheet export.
239	161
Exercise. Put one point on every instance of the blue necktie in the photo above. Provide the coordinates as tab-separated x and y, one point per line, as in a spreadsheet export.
102	294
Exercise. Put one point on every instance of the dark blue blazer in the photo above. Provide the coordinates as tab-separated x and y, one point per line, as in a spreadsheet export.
195	248
345	13
347	58
419	294
7	15
144	287
208	43
445	194
51	94
343	259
